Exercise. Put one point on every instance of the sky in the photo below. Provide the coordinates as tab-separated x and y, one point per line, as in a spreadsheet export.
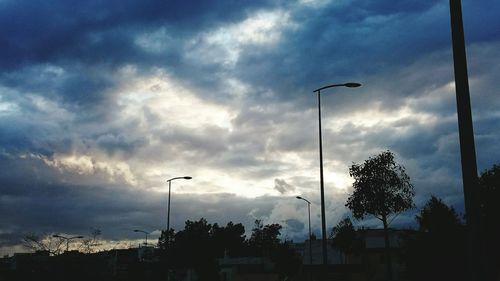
102	101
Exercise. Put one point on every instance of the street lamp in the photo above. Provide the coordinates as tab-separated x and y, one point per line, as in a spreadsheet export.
67	239
310	240
146	233
323	220
169	188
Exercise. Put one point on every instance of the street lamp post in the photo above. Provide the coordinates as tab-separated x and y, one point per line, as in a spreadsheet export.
146	233
169	188
67	239
323	220
310	240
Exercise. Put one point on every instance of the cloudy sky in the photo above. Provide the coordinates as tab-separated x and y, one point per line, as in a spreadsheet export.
102	101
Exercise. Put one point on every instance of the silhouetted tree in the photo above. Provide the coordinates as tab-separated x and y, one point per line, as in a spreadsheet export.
381	188
437	252
165	238
89	245
265	241
343	236
264	238
489	198
199	245
286	260
45	242
194	247
229	239
436	217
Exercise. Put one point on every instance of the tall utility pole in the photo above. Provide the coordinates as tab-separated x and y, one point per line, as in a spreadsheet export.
475	259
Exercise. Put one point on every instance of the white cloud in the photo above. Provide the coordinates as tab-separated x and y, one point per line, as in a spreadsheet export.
6	107
322	3
378	116
224	45
89	166
170	102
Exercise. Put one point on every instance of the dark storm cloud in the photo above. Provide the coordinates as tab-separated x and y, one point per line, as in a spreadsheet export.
357	40
371	37
350	41
89	40
75	88
37	32
21	135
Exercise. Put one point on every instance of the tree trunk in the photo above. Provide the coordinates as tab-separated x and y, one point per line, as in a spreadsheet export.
387	249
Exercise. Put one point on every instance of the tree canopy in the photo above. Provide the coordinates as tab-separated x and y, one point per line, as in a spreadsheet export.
200	244
437	217
381	187
264	238
437	252
265	241
344	237
489	198
489	191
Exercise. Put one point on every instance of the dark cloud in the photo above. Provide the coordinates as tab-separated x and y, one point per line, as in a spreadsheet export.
41	32
331	44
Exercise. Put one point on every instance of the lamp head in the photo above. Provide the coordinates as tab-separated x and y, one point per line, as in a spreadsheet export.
298	197
187	177
352	85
